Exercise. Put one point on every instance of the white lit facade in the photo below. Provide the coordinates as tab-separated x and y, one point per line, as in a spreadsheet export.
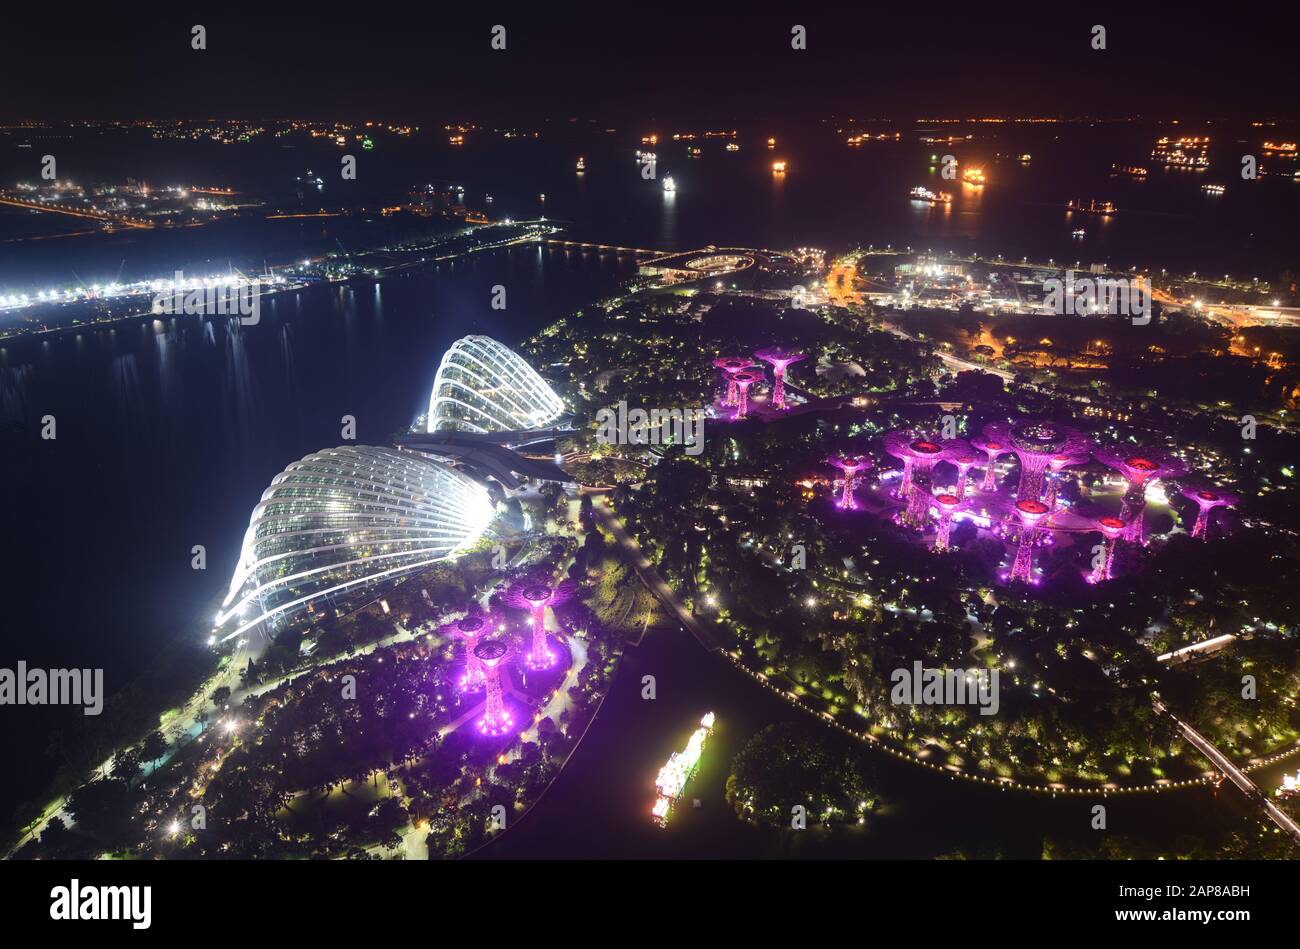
336	524
482	386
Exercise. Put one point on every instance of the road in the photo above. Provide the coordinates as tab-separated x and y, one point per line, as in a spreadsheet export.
651	577
1233	773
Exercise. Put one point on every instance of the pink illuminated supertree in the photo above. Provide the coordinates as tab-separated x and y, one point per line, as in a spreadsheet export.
1056	466
538	597
730	365
993	448
948	505
1207	499
1031	513
963	457
535	595
743	380
1111	528
496	718
850	465
919	456
470	629
779	359
1035	444
1140	467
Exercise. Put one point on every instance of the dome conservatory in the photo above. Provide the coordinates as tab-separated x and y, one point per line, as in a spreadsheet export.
482	386
340	522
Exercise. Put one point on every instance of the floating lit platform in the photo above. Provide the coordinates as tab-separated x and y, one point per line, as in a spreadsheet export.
674	775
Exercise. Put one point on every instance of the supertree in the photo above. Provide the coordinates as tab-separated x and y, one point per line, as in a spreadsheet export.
470	629
962	457
730	365
1139	468
919	456
948	505
496	718
538	597
535	595
1035	443
743	380
1058	464
779	359
1207	499
1111	528
1031	513
993	448
850	465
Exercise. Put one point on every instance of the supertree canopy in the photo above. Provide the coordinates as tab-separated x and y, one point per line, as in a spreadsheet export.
1207	499
850	465
992	448
535	595
919	455
730	365
744	379
1111	528
963	457
947	505
1031	513
496	718
779	359
470	629
539	597
1035	443
1139	467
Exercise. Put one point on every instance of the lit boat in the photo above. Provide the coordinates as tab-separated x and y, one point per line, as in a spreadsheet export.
778	168
1092	207
1184	152
973	176
693	151
669	185
733	147
925	194
771	143
674	775
1135	171
582	163
1213	189
1078	232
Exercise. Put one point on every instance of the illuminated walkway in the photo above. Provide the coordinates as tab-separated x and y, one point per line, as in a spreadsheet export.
1233	773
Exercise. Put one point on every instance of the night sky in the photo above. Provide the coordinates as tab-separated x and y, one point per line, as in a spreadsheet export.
630	60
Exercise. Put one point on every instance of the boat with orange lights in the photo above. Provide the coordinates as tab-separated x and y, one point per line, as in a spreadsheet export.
1092	207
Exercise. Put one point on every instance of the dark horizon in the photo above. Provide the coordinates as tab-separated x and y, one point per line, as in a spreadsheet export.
617	65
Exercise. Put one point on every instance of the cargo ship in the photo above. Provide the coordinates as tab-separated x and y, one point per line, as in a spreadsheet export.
1092	207
1185	152
1133	171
